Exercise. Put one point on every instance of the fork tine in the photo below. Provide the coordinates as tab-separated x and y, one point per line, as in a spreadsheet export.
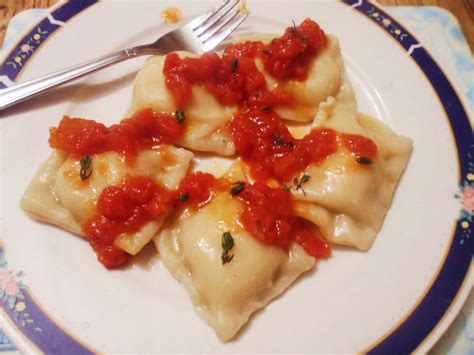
221	25
216	17
198	21
214	41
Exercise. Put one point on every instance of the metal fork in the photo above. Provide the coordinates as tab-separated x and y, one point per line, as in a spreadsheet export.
200	35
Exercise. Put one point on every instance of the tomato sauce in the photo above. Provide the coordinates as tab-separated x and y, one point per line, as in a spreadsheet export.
235	79
127	207
259	134
290	56
264	142
143	130
307	235
196	189
229	79
270	217
359	145
124	209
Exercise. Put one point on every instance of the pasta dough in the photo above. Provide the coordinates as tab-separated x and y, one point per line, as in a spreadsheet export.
349	201
325	78
205	116
226	295
207	119
57	195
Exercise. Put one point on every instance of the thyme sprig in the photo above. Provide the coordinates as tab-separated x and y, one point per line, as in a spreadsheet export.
299	182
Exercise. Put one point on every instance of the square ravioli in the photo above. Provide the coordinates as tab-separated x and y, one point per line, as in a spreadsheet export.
226	294
349	193
306	169
57	194
210	106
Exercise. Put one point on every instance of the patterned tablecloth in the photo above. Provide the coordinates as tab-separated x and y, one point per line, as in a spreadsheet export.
439	31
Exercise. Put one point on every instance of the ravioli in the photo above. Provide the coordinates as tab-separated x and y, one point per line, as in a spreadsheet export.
225	295
345	196
58	195
206	118
347	200
325	77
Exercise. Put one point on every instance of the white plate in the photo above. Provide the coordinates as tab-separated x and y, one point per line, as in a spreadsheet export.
398	296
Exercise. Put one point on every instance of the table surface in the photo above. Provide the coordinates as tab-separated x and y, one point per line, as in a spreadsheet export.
462	9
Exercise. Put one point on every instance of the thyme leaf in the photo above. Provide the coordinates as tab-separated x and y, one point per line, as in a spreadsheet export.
227	245
180	116
305	178
183	198
280	141
295	30
234	65
237	188
364	160
299	182
86	169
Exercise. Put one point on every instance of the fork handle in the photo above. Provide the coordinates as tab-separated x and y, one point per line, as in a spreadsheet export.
20	92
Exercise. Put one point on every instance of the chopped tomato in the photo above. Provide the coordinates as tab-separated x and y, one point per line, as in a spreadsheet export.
290	56
264	142
127	207
268	213
143	130
270	217
307	235
359	145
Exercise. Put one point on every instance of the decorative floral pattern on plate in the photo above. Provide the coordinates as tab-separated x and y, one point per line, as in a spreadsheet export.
27	48
12	294
393	28
466	195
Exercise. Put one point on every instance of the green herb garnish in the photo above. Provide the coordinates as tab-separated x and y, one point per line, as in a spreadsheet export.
294	29
234	65
305	178
183	198
86	169
297	32
237	188
180	116
280	141
227	245
299	182
286	187
266	108
364	160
